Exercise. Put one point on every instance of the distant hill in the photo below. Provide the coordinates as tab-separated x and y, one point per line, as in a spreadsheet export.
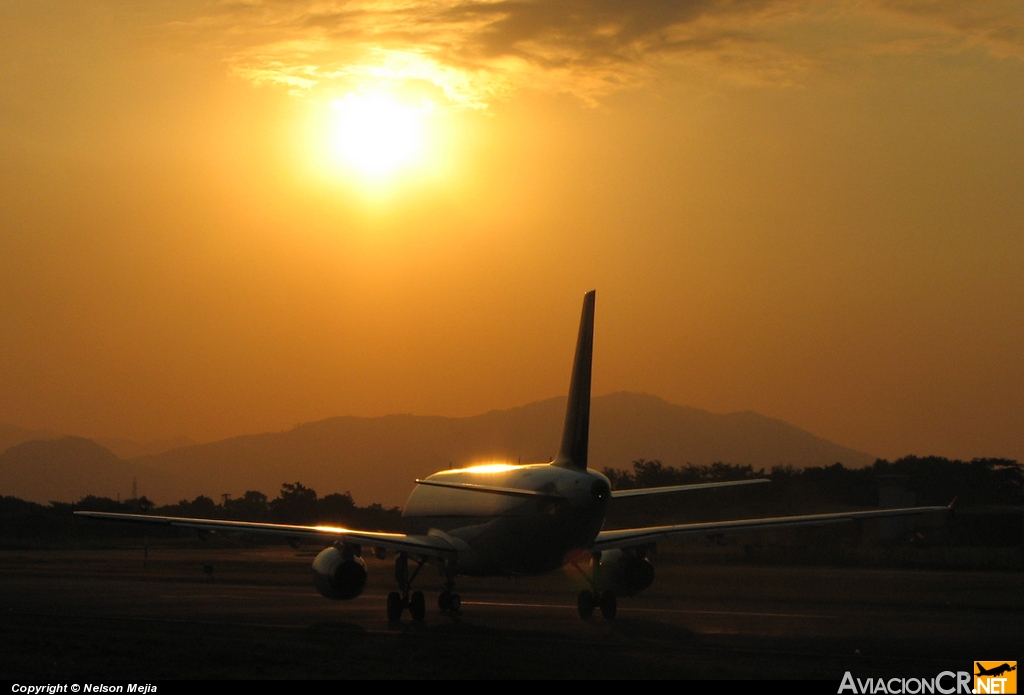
377	459
129	448
67	469
11	435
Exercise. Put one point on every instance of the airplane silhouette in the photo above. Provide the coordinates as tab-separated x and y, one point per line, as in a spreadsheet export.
995	670
506	520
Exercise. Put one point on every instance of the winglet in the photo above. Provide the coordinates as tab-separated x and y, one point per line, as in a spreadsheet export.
573	451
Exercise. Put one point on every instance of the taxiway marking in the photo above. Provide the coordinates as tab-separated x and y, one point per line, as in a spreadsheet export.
680	611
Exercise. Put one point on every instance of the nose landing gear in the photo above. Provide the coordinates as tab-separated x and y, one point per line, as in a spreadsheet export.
449	602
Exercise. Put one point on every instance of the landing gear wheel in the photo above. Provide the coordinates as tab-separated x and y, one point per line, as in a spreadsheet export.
394	607
609	606
417	606
586	604
449	602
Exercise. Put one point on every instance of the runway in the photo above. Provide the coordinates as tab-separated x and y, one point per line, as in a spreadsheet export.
114	614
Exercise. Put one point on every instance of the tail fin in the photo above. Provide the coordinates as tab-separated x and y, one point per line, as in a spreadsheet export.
573	451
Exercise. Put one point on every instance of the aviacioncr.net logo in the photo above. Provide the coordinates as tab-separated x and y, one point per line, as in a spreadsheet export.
946	683
995	677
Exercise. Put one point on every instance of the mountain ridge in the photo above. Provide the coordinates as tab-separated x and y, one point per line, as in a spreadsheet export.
377	458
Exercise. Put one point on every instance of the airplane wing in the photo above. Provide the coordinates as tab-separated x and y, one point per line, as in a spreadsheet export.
619	494
429	545
626	538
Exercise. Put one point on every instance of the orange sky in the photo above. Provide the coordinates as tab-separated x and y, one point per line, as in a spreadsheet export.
808	209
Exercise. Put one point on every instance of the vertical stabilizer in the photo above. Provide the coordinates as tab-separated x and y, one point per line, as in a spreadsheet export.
573	451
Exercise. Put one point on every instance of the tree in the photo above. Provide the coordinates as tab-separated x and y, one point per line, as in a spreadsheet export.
295	505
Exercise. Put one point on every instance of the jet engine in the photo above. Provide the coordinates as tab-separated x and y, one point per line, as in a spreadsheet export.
339	574
625	572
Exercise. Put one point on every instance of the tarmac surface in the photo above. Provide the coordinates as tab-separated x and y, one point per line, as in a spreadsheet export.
252	613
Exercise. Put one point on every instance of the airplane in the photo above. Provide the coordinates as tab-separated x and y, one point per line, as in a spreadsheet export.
994	671
509	520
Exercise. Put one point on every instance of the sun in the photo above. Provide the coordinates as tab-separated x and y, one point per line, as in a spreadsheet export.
377	134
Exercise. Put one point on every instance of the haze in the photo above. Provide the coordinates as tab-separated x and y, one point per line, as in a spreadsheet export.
811	210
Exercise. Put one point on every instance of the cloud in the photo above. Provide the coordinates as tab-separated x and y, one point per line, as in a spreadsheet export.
994	26
476	51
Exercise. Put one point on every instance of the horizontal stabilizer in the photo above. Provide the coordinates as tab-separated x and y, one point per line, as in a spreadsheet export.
494	490
618	494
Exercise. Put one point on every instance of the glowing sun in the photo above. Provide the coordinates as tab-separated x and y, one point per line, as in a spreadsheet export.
376	134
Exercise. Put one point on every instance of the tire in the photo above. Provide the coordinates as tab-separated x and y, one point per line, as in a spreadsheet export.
585	604
609	606
454	603
394	607
444	601
417	606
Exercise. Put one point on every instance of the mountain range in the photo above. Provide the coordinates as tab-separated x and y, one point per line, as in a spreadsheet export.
377	458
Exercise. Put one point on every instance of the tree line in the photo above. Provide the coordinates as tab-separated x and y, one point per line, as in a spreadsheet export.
933	480
909	481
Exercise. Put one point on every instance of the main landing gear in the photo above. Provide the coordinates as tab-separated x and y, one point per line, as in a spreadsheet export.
414	601
592	598
605	600
449	602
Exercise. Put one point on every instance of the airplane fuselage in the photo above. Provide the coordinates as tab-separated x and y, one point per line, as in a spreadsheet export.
501	534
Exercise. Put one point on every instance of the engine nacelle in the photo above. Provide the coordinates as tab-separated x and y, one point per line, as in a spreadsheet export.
625	573
338	574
